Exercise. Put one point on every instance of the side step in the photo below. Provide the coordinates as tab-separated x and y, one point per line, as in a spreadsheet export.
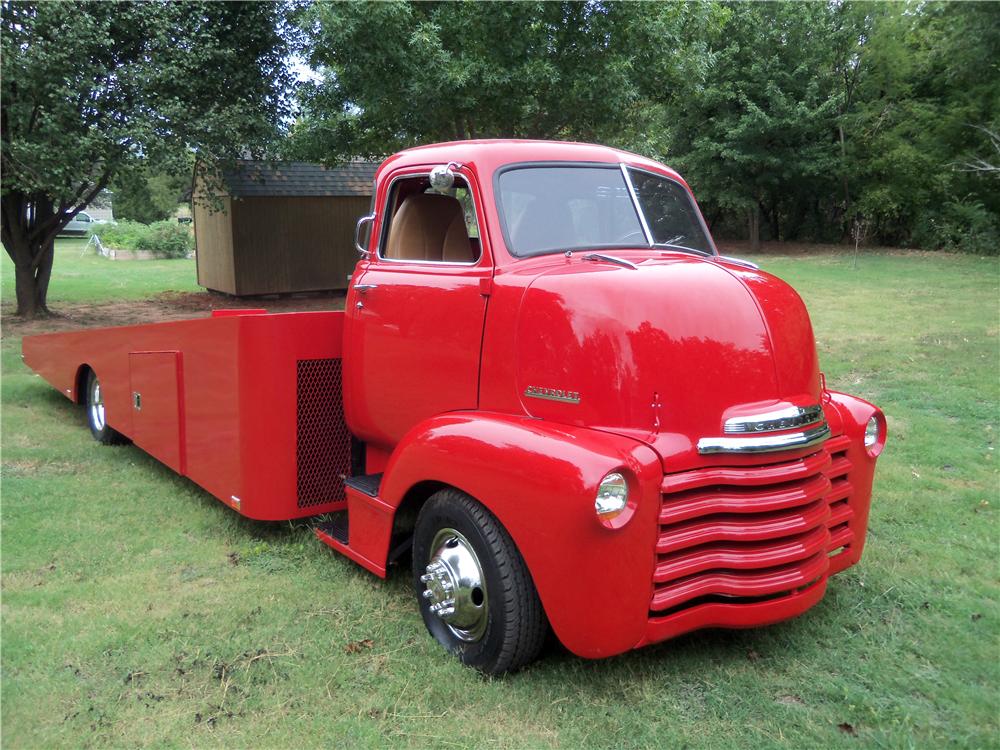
367	483
337	527
373	520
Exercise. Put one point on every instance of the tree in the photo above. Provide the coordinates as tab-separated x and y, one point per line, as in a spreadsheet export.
397	74
93	91
149	197
757	133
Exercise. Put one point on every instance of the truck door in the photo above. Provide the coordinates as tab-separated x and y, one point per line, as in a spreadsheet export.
416	311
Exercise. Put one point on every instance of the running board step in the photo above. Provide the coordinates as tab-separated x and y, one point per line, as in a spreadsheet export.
366	483
337	527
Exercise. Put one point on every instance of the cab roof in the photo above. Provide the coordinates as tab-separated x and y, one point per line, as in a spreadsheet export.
486	156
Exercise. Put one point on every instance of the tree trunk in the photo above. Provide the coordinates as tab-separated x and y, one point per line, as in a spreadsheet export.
31	283
753	222
843	172
29	228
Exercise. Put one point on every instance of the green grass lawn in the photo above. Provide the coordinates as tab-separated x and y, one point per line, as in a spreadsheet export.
138	611
80	275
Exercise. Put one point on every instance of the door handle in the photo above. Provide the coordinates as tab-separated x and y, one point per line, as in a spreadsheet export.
365	287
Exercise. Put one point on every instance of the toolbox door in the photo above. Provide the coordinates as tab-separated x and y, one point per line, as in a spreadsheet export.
158	406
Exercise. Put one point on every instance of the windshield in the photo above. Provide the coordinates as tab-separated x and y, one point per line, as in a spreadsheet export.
550	209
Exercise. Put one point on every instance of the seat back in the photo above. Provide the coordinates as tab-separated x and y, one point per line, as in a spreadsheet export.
429	227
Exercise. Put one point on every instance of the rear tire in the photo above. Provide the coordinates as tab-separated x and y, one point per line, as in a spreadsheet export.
474	590
97	417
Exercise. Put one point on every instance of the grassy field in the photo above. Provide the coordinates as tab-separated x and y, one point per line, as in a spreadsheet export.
138	611
84	276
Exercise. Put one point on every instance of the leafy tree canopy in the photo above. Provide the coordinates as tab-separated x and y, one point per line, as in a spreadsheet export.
398	74
92	91
148	198
794	120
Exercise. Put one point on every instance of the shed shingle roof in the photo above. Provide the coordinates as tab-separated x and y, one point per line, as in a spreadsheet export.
296	178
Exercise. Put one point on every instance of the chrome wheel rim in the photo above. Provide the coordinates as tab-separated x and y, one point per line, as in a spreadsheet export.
455	586
96	405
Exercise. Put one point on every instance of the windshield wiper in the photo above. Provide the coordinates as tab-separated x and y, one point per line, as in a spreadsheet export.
611	259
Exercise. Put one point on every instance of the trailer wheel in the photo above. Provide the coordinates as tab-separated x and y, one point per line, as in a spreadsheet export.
473	588
103	432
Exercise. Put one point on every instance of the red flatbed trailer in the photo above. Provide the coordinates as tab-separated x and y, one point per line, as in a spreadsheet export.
547	389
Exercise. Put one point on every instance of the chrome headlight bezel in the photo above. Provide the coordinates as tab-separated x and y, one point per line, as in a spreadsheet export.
874	434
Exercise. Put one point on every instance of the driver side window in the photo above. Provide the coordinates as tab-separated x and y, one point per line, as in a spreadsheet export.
429	225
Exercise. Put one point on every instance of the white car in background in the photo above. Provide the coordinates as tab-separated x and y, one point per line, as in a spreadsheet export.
80	226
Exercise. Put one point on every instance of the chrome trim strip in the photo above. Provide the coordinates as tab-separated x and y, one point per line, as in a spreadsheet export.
773	421
738	261
635	204
765	443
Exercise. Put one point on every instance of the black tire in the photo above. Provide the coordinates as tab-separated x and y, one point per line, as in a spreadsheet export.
512	628
94	402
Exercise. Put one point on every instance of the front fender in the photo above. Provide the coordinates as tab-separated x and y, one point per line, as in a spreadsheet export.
540	479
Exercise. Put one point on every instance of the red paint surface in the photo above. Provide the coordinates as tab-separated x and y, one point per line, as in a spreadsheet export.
436	363
238	379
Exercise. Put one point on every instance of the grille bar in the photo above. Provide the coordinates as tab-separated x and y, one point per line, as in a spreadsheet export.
743	500
769	581
787	471
742	528
742	556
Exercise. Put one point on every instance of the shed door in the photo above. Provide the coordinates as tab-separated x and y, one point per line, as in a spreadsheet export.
157	406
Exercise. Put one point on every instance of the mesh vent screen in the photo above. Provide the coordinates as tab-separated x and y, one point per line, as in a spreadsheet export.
323	448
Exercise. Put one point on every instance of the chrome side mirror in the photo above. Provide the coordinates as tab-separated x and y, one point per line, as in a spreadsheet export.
443	176
362	251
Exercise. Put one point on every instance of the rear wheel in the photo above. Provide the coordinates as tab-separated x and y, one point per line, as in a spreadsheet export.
474	590
96	415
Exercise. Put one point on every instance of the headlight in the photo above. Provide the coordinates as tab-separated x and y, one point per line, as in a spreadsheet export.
871	432
612	496
875	435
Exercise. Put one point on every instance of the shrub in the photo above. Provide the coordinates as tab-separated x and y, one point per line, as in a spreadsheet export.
965	226
167	239
164	239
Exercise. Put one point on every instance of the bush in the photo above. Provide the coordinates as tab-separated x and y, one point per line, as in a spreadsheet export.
164	239
965	226
167	239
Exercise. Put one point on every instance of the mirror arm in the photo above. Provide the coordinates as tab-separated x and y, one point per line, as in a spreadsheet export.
363	252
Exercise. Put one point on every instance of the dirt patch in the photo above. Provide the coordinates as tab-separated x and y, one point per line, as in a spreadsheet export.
159	308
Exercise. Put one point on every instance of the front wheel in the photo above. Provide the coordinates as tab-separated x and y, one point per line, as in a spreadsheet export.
474	590
96	416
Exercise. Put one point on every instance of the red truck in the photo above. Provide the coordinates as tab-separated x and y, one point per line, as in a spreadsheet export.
547	390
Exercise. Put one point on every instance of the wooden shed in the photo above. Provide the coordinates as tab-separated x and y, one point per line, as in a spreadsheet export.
279	227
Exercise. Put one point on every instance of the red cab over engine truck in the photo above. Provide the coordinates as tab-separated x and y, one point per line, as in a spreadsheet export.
548	390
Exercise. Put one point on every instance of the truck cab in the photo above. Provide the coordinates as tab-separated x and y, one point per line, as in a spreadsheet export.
548	392
549	330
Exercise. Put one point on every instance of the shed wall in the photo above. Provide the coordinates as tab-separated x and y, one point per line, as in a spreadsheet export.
285	244
214	247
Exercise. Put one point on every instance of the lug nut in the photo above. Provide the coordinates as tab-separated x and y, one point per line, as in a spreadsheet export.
428	594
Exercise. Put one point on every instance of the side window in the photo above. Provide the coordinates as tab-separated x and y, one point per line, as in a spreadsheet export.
428	225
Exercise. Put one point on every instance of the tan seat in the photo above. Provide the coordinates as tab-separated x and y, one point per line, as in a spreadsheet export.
429	227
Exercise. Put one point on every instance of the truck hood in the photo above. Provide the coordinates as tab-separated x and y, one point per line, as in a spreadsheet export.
665	353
